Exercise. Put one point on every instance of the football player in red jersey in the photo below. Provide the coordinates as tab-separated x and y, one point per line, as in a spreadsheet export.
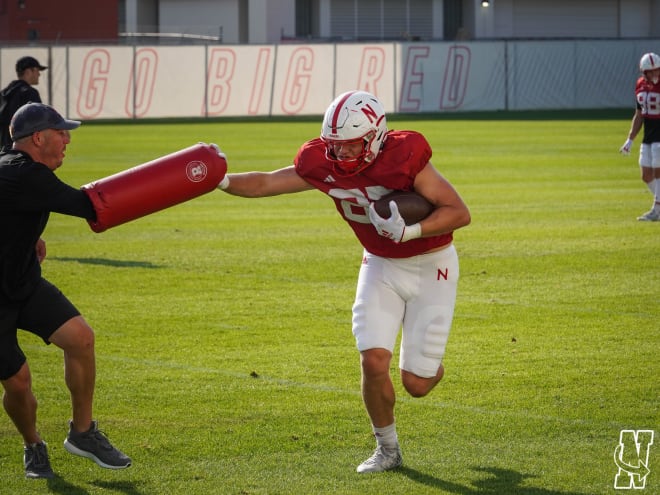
647	115
409	274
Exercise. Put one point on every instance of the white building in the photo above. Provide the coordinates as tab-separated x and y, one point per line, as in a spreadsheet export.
277	21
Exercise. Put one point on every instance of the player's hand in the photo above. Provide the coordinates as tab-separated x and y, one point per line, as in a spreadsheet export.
224	183
220	152
625	149
393	228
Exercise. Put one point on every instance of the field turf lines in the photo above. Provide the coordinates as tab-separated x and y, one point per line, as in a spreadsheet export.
226	363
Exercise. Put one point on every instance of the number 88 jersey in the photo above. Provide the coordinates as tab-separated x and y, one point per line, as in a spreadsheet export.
647	95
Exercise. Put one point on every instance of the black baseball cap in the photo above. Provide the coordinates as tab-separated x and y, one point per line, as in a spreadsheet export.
27	63
34	117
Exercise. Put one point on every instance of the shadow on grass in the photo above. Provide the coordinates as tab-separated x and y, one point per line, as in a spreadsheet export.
501	482
60	485
107	262
127	487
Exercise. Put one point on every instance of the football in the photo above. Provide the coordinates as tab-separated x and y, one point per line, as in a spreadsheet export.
412	206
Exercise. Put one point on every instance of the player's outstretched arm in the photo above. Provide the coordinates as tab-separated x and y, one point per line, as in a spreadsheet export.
261	184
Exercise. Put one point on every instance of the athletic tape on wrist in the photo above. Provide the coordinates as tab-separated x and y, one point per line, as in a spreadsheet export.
224	183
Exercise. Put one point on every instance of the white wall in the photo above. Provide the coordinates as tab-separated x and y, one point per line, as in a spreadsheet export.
203	17
635	18
575	19
269	19
115	82
438	20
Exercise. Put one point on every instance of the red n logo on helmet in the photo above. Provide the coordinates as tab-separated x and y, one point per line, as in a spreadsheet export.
371	114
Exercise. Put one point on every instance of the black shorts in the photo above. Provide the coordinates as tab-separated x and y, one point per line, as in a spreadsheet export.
46	310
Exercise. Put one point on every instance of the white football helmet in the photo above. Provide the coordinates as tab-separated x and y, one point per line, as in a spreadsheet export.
649	61
354	117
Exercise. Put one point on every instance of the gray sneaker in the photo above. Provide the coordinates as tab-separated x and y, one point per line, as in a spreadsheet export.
94	445
382	460
37	465
650	216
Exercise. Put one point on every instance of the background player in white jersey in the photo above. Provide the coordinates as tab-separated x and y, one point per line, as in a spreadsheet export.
647	115
409	274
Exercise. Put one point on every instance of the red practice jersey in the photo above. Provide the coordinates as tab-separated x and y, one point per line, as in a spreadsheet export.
647	95
403	156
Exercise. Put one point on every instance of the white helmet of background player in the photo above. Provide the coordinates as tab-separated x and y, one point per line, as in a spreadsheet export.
355	116
649	61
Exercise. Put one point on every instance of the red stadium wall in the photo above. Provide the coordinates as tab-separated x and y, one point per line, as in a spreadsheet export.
62	21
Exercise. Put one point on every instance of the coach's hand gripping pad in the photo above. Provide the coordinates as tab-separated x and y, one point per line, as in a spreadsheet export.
155	185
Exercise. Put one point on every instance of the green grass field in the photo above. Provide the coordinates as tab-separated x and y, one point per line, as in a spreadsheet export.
226	363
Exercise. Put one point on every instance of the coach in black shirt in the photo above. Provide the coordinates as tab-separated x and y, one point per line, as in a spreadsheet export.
29	191
19	92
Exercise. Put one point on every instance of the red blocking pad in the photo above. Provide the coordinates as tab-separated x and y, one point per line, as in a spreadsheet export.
155	185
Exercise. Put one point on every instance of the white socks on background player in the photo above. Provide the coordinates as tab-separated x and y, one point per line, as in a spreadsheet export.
654	187
386	437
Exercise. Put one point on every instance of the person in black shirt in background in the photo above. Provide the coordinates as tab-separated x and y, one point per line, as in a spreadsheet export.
29	191
17	93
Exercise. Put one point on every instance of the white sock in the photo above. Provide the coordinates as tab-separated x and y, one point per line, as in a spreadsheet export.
651	185
656	193
387	437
